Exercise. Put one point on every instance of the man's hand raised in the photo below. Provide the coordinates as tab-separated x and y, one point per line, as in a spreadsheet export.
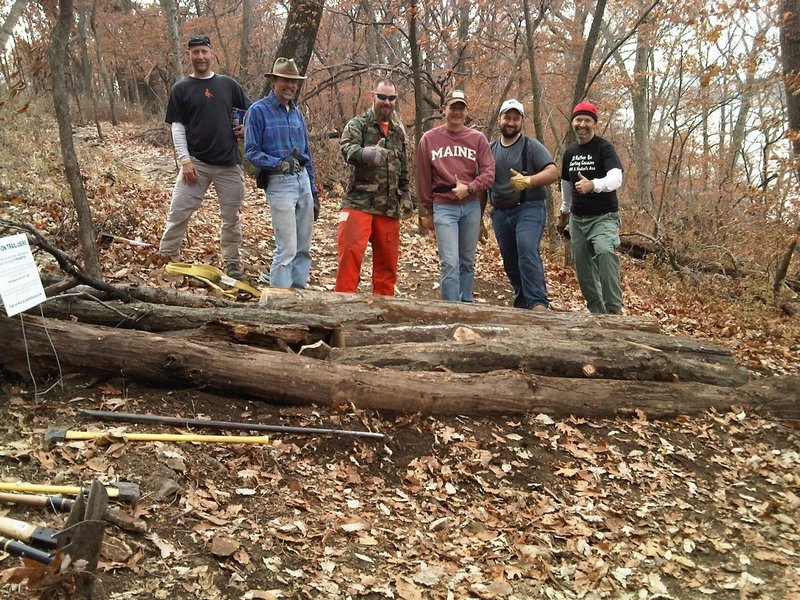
583	185
376	155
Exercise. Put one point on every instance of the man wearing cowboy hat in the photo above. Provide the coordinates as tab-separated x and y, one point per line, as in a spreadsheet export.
206	143
276	141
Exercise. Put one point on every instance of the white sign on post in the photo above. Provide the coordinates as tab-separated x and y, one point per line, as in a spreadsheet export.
20	286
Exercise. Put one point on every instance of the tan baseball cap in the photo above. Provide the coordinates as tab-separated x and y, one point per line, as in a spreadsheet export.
454	96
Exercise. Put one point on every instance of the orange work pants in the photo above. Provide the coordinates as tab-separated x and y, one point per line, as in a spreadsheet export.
356	229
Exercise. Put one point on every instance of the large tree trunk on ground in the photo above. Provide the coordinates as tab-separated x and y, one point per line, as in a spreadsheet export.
262	328
284	378
564	352
358	308
607	359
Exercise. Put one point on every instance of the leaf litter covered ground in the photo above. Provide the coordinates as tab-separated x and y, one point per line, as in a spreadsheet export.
701	507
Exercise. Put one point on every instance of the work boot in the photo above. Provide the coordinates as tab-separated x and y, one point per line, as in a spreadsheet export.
235	271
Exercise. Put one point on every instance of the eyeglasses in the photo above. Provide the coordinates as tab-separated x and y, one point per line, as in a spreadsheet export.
389	97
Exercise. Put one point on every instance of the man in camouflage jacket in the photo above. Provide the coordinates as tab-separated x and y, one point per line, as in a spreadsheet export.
374	144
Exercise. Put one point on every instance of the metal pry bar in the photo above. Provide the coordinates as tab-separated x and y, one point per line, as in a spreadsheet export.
230	425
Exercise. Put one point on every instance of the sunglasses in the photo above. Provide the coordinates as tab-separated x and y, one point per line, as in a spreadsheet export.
384	97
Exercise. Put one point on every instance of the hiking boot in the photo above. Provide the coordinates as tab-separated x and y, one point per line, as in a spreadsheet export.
539	308
234	271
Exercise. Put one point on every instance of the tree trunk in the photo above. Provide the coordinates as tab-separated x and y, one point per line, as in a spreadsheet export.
542	355
579	91
244	42
262	328
10	22
290	379
112	96
421	109
171	15
58	57
299	34
641	121
790	59
358	308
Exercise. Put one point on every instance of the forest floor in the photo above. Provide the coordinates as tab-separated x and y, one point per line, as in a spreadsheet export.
693	507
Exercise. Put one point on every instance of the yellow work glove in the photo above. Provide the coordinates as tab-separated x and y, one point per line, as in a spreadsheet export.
519	181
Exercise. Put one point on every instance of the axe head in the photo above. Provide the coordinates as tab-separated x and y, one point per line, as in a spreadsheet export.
55	435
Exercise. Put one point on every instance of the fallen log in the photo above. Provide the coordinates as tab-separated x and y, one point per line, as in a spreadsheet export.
365	309
571	352
606	359
370	335
283	378
263	328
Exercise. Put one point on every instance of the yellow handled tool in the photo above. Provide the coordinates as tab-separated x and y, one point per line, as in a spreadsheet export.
122	491
59	435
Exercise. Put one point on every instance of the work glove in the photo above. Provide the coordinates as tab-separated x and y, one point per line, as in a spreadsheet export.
290	164
561	225
483	237
377	155
519	181
315	195
406	204
425	222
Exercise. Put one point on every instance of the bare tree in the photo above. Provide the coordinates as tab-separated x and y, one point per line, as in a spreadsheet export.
300	33
101	66
10	22
244	47
58	57
171	14
790	57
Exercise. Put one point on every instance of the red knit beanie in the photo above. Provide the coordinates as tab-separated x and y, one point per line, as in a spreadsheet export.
585	108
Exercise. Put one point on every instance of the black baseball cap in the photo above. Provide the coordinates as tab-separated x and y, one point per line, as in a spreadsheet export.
199	40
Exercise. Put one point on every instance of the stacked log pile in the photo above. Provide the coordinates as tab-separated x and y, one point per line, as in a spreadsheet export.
392	354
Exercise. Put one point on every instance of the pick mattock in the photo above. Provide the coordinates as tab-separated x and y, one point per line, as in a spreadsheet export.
82	538
119	490
55	435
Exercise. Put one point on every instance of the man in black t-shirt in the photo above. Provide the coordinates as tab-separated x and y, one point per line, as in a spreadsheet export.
590	175
206	142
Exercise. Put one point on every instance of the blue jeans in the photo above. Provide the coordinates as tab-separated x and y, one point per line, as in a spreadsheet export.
519	232
458	227
291	207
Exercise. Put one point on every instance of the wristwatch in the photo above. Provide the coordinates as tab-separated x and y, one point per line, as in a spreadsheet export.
470	189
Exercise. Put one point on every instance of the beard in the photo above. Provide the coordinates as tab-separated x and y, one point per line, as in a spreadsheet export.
509	132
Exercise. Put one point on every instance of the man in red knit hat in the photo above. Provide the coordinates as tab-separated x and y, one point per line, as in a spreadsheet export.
591	174
454	163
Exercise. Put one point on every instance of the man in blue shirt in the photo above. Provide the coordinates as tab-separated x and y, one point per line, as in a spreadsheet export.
276	141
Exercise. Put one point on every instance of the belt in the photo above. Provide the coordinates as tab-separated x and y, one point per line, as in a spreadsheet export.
443	189
515	205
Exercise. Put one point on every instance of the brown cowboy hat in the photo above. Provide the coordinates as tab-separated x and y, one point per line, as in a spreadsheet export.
285	67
